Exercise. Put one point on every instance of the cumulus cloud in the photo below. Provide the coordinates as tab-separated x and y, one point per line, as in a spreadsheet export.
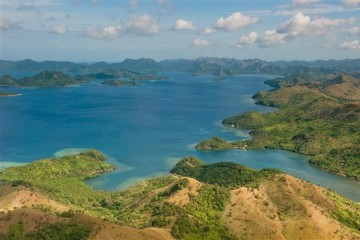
355	31
235	21
350	45
271	38
145	24
247	39
104	33
208	31
59	29
303	3
200	43
351	3
300	25
182	24
7	24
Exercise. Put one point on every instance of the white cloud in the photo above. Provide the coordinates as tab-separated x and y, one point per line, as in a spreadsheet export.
59	29
235	21
303	3
182	24
208	31
104	33
271	38
200	43
296	25
248	39
350	45
351	3
301	25
355	31
7	24
145	24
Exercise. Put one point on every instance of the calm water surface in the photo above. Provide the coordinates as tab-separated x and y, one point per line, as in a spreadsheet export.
144	130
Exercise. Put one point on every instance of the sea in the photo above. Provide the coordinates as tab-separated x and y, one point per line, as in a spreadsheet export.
144	130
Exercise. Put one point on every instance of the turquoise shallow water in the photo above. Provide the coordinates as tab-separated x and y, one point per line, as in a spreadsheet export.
144	129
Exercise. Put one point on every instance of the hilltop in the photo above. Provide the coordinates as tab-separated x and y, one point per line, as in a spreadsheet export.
198	201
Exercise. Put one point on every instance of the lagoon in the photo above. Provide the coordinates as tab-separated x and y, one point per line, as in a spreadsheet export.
144	129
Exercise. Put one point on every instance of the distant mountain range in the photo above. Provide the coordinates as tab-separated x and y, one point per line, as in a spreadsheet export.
199	66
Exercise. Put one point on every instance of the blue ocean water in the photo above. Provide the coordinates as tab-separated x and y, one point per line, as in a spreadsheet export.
144	130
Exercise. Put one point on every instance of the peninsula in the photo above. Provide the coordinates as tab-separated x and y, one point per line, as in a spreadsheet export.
318	116
48	199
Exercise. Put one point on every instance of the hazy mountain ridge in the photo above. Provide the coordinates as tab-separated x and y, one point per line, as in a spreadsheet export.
203	65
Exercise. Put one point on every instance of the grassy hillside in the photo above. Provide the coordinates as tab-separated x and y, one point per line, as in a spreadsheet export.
309	122
48	199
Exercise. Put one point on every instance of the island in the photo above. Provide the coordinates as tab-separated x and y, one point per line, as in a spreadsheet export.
9	94
43	79
118	77
48	199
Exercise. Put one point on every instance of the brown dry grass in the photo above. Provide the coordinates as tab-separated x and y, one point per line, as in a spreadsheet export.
284	208
34	219
18	197
182	197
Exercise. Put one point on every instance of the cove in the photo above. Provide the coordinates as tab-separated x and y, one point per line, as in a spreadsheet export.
145	129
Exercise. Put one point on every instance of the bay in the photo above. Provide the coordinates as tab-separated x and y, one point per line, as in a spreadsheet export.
144	130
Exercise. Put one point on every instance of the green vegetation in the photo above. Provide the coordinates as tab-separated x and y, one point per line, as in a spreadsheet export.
128	75
43	79
216	143
7	94
146	204
58	231
347	212
202	217
310	121
225	174
63	179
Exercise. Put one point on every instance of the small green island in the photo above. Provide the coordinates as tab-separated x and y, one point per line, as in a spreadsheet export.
9	94
318	116
43	79
48	199
122	77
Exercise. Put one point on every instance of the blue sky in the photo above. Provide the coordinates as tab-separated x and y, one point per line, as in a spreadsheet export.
113	30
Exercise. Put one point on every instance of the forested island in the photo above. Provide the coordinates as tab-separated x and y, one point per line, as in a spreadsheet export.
59	79
48	199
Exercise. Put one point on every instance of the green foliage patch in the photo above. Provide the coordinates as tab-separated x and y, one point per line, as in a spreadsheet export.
58	231
225	174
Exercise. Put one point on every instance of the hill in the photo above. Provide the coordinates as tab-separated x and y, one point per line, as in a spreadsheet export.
48	199
43	79
318	117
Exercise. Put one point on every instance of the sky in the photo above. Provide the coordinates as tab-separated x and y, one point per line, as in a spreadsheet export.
114	30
